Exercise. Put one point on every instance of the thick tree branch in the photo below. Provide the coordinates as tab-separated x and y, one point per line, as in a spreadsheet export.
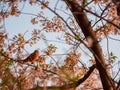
63	87
87	30
67	86
83	22
118	85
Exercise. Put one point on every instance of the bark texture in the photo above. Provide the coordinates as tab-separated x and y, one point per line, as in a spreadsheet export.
83	22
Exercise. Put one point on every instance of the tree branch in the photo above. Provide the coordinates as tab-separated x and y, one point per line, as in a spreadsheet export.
68	86
88	31
118	85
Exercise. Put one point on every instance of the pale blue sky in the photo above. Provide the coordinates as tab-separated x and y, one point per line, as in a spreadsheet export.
21	24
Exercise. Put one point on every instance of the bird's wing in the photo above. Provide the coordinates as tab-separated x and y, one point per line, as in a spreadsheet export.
32	57
29	58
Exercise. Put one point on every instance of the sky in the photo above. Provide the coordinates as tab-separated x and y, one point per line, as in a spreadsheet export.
22	24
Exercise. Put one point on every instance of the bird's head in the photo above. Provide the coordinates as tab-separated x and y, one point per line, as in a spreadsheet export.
36	52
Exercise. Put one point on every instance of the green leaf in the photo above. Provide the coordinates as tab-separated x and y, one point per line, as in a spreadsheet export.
77	37
74	79
1	52
10	63
111	54
114	57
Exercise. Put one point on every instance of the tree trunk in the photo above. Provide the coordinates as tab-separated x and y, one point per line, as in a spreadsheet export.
87	30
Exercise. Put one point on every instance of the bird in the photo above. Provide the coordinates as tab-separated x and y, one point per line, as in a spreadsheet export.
32	57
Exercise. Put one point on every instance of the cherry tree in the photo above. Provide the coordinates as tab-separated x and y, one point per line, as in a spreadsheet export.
81	27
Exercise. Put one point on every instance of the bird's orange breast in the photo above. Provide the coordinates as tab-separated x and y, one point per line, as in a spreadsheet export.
35	55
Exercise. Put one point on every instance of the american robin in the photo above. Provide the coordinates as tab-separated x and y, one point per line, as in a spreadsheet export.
32	57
